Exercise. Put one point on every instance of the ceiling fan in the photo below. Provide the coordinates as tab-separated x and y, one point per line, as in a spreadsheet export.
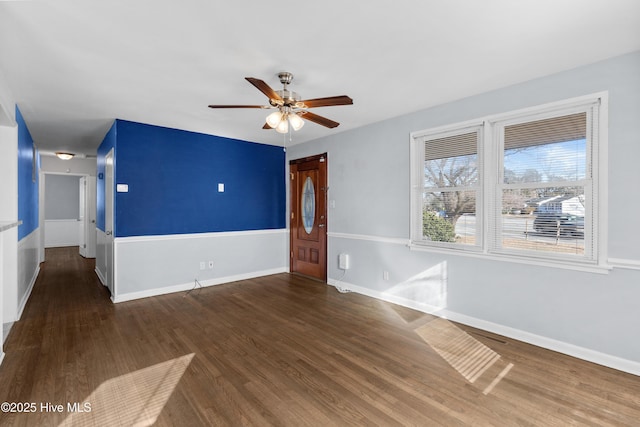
290	108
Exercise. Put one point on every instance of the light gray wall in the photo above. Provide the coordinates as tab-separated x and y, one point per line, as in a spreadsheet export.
62	197
369	181
77	165
6	102
9	262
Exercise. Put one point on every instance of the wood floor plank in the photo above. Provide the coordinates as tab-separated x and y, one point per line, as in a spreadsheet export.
282	350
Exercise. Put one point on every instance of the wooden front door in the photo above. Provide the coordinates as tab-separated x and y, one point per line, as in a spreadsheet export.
308	223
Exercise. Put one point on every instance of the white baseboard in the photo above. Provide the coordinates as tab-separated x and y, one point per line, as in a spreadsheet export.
188	286
27	294
583	353
589	355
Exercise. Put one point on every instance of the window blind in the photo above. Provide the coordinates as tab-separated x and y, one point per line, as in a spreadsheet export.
539	132
463	144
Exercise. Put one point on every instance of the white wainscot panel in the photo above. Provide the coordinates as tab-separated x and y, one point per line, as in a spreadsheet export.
61	232
154	265
28	268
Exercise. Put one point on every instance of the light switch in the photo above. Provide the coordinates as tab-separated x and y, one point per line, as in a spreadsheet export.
122	188
221	187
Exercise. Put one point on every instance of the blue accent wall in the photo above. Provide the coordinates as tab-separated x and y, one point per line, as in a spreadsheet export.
107	144
173	176
28	179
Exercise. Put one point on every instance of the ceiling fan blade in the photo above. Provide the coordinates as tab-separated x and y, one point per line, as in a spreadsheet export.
326	102
239	106
264	88
319	119
266	126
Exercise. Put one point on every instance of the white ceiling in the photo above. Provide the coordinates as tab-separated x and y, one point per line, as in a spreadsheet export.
74	66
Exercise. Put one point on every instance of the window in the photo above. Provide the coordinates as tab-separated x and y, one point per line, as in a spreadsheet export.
520	185
450	187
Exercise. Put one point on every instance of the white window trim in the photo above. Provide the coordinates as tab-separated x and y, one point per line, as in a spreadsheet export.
417	188
490	154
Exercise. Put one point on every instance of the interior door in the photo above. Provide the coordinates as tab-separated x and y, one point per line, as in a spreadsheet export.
82	242
88	248
308	223
108	220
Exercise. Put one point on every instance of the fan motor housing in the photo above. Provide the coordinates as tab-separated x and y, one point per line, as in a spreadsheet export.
288	96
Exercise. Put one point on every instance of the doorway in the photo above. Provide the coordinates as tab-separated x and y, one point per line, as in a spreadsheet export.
67	212
308	219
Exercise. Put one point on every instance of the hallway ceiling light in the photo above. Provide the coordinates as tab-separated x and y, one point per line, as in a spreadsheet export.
64	156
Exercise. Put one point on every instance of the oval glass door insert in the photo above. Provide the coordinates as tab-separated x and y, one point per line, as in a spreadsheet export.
308	205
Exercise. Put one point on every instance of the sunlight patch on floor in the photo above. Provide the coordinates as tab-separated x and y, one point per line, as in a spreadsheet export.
464	353
134	399
476	362
497	379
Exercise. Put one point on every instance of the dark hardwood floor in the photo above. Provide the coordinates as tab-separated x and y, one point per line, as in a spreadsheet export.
280	350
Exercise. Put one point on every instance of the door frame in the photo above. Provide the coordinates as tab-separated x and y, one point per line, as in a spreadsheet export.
109	222
324	188
42	226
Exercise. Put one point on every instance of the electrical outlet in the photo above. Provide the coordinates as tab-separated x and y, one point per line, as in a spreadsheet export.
385	275
210	264
202	265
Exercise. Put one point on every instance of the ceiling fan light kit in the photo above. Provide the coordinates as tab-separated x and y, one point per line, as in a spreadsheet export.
274	119
291	109
295	121
280	121
283	126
